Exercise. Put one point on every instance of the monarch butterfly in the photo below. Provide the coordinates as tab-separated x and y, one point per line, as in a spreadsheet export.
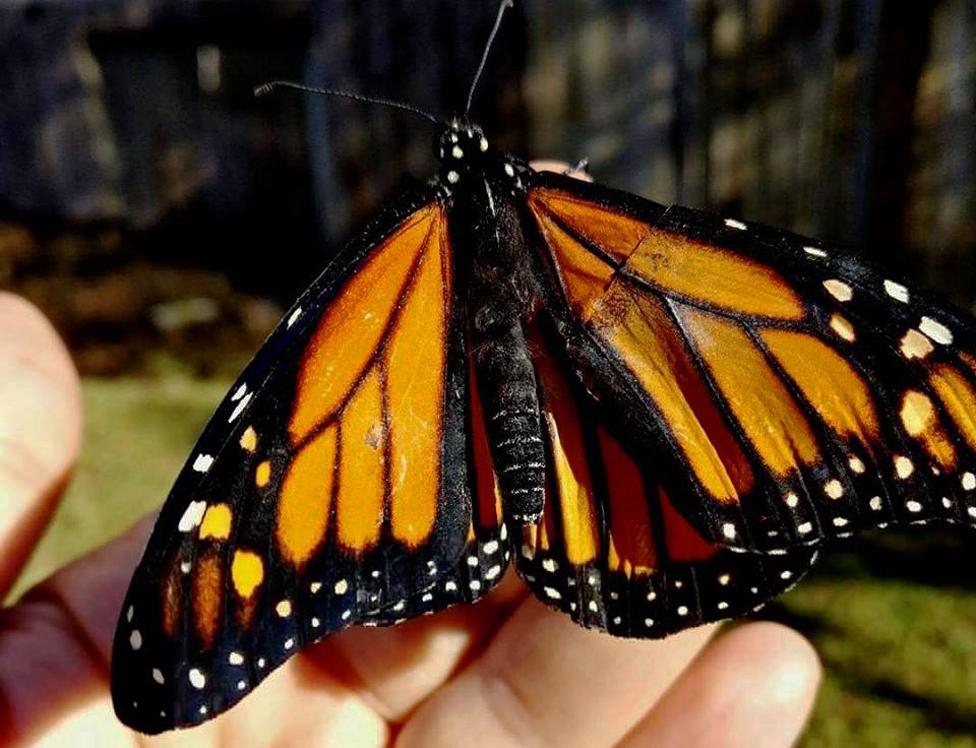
660	415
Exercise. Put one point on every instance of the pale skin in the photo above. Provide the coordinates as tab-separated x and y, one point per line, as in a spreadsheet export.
506	671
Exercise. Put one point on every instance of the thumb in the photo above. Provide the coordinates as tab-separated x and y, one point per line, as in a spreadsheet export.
40	429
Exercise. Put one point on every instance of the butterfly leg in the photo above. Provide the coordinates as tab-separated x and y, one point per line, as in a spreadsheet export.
508	388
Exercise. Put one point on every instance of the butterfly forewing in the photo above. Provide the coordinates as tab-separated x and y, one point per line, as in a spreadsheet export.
332	487
799	393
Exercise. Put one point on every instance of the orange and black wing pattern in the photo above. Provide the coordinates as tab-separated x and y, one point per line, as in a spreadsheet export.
784	392
611	549
335	485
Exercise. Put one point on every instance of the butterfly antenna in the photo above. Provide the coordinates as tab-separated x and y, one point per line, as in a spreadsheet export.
506	4
266	88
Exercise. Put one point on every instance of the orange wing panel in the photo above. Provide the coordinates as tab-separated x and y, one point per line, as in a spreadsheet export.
639	329
577	507
359	512
488	496
615	233
678	265
415	396
208	595
305	499
832	386
754	392
632	548
350	331
921	422
584	276
683	542
958	397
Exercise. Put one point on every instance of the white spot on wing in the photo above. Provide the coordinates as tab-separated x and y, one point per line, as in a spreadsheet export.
814	252
903	467
734	224
239	392
935	330
197	678
203	462
240	407
192	516
293	318
896	291
135	639
838	289
157	675
833	488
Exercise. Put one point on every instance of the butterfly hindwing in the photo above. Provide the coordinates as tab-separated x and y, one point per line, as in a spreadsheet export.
331	487
800	393
611	550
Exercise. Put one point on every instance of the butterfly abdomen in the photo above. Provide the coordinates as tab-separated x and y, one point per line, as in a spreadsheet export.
508	388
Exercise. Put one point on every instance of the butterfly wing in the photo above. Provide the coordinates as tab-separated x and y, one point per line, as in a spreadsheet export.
790	392
611	549
331	487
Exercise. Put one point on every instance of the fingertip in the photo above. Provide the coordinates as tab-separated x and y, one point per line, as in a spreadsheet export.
754	686
790	665
40	428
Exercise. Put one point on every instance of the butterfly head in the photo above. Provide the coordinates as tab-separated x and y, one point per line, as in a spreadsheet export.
461	146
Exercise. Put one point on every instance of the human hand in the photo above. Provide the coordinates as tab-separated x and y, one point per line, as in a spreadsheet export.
504	671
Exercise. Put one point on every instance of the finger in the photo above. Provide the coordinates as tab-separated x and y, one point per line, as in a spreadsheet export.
396	668
40	429
545	681
54	652
753	687
55	647
55	643
561	167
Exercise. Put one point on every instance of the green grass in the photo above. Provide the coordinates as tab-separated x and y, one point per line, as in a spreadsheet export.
138	432
893	616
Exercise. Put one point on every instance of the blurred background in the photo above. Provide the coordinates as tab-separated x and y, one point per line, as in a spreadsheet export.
163	217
